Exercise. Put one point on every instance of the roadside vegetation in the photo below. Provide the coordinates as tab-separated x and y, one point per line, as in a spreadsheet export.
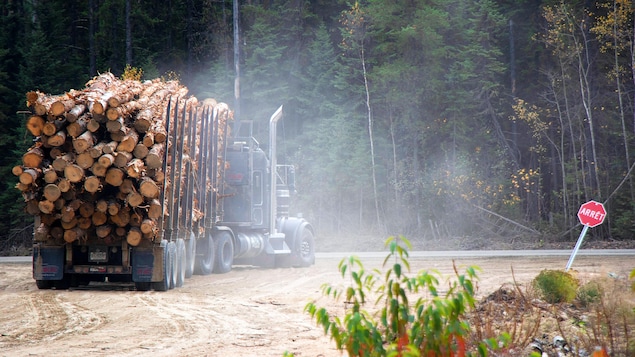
395	312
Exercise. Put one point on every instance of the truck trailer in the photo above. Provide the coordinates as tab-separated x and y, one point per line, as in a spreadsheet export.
153	201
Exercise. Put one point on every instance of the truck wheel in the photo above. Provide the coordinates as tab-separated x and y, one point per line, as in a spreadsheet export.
44	284
181	263
173	268
204	262
190	255
142	286
305	248
165	284
224	253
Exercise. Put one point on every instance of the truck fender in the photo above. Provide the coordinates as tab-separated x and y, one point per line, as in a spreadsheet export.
292	227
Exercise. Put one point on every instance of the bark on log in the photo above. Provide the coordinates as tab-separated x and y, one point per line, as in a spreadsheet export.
84	142
154	159
97	150
75	113
58	139
77	127
60	163
41	233
122	158
33	158
128	142
140	151
135	168
52	127
28	176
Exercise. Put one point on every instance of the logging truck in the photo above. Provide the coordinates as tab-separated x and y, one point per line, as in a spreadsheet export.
139	183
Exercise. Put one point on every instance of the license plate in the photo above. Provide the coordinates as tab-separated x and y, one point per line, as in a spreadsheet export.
98	256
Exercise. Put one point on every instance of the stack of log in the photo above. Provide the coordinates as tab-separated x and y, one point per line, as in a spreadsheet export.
96	168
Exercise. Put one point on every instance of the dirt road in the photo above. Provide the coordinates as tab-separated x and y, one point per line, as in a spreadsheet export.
247	312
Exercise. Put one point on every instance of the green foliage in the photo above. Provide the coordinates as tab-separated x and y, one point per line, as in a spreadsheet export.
589	293
411	316
556	286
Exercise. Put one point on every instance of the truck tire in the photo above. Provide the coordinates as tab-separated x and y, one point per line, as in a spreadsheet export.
44	284
165	284
224	253
181	263
190	255
142	285
305	248
204	258
172	249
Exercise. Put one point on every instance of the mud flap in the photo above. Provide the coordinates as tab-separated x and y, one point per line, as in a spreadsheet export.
48	263
142	265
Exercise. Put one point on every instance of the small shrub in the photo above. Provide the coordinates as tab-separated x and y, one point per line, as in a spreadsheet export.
404	322
556	286
589	293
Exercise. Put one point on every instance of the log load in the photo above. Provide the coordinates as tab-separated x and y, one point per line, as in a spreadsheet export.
98	165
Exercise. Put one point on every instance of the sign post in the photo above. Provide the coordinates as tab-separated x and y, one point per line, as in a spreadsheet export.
591	214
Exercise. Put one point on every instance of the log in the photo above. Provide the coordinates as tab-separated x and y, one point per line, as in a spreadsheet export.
73	234
84	142
154	159
148	188
17	170
87	209
135	168
64	185
122	218
67	214
33	158
57	232
98	169
62	105
97	150
99	218
75	113
113	208
92	184
101	206
93	125
127	186
106	160
35	125
74	173
103	231
148	226
114	176
58	139
22	187
134	237
52	192
46	206
52	127
122	158
50	175
60	163
135	219
28	176
114	126
140	151
71	224
77	127
134	199
85	160
110	147
84	223
33	207
129	141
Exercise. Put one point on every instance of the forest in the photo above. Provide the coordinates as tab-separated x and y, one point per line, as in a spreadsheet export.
427	118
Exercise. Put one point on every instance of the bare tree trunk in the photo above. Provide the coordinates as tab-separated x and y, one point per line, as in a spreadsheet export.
128	34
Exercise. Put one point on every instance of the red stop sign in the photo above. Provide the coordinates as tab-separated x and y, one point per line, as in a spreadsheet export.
592	214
